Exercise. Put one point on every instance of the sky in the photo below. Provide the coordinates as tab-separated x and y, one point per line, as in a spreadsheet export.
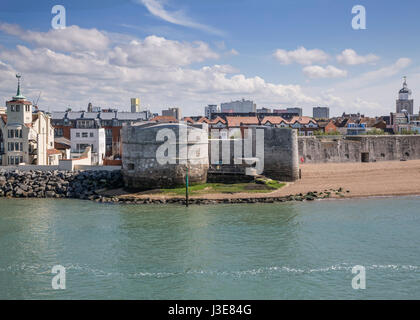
191	53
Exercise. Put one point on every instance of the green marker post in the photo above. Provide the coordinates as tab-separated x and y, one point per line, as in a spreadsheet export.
186	187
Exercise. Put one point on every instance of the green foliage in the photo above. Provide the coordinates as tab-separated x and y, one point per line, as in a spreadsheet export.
408	132
320	133
211	188
375	132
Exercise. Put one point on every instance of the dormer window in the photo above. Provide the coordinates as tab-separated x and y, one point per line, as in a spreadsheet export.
17	108
12	108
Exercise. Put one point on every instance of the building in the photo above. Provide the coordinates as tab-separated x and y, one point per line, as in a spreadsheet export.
26	137
239	106
94	137
112	122
172	112
275	121
164	119
355	129
135	105
210	110
264	110
306	126
296	111
327	126
321	112
404	102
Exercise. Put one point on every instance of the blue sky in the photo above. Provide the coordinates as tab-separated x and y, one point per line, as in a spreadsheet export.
198	52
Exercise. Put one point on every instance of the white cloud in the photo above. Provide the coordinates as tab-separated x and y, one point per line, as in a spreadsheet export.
68	39
154	68
301	56
316	72
156	8
158	51
391	70
372	78
350	57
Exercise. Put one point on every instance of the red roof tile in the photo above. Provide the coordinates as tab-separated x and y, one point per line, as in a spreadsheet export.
302	120
238	121
273	120
164	119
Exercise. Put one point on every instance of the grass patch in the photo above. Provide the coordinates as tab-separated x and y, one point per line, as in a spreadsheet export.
208	188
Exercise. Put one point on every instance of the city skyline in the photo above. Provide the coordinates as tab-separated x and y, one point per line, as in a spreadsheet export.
189	54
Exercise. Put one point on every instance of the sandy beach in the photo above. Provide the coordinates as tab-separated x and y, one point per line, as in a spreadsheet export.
391	178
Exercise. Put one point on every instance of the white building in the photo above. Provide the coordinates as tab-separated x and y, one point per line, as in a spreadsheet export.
240	106
26	137
210	109
81	138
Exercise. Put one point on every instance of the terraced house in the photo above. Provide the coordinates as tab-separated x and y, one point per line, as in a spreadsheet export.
26	137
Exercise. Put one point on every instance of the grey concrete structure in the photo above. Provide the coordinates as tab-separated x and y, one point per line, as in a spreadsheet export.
321	112
172	112
277	155
359	148
144	154
281	154
240	106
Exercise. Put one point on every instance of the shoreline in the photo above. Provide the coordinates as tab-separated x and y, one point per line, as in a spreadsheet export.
355	180
319	182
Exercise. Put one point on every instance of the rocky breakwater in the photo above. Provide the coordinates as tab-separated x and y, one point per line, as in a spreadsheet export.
58	184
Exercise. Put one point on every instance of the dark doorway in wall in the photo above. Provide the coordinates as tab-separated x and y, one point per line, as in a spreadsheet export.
365	156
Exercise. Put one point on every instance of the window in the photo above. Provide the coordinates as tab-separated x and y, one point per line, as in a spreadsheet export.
11	160
17	108
20	146
16	146
130	166
58	132
84	134
91	134
12	108
77	134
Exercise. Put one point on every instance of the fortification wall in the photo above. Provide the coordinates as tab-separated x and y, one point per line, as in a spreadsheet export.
143	170
274	150
281	154
359	148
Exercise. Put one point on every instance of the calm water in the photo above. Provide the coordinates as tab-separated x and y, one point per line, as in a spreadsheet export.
270	251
